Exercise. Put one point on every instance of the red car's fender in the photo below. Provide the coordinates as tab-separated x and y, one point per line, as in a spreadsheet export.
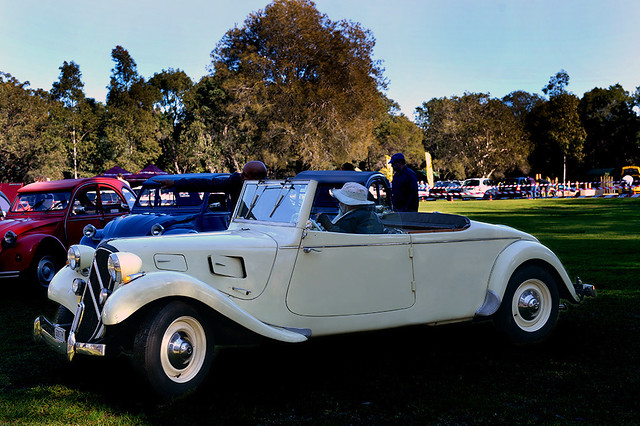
20	256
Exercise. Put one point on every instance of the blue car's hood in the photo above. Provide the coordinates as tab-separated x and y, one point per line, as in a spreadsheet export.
140	224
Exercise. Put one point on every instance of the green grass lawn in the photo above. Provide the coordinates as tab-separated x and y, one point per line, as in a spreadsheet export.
587	373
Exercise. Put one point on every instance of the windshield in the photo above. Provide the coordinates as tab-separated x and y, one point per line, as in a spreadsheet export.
41	202
272	202
154	197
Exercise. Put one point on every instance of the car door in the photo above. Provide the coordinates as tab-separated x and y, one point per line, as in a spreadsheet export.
349	274
85	209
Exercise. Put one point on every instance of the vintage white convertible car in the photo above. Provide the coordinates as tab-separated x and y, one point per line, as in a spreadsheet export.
169	300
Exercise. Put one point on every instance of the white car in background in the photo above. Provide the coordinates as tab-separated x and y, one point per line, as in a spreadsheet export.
475	187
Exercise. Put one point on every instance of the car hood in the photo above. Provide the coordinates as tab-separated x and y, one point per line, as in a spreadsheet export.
238	263
134	225
23	225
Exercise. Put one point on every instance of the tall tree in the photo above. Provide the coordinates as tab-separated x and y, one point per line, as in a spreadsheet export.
473	135
29	142
396	133
171	88
302	89
78	117
556	129
612	127
131	129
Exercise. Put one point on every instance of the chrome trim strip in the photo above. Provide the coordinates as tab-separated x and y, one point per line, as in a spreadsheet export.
9	274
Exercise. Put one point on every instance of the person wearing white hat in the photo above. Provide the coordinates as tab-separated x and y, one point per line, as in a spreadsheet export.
356	212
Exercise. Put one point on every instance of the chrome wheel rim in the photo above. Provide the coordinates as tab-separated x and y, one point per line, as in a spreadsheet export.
183	349
531	305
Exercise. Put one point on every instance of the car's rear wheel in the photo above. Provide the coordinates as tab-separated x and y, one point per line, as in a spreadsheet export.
174	349
529	309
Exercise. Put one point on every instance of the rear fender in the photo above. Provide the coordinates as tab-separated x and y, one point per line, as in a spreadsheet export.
514	256
129	298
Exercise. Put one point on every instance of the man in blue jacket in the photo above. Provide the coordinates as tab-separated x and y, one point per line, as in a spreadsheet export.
404	187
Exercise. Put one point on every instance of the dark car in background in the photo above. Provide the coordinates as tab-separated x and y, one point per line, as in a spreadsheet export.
47	217
518	187
165	211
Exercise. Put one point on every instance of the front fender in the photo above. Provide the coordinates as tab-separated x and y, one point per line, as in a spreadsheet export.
129	298
518	253
60	290
26	247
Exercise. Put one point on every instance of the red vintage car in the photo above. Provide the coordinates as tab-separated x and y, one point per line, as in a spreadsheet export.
47	217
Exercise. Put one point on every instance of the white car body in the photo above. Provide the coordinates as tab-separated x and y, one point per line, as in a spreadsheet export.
276	276
475	187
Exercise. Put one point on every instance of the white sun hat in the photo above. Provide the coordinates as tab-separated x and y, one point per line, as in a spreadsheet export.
352	194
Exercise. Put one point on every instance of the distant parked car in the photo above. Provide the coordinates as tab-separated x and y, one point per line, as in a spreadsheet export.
48	217
475	187
441	188
519	187
159	211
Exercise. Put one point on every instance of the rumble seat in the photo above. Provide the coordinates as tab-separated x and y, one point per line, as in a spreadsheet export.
412	222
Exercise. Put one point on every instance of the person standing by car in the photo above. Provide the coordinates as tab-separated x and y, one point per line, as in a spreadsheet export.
404	187
253	170
356	213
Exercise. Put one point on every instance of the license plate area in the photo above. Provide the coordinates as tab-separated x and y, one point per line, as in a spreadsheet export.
60	334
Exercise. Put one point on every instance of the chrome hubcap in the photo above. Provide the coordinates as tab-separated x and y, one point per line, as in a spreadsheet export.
183	349
529	305
179	351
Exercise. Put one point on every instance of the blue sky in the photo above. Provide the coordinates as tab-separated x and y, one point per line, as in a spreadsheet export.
429	48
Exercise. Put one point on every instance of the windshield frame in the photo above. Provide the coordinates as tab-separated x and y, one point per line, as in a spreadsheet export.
253	200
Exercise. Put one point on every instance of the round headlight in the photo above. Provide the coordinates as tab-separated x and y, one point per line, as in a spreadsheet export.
73	257
89	231
10	237
79	257
157	229
122	265
113	266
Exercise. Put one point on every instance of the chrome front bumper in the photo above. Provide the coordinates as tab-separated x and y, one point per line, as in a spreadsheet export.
56	336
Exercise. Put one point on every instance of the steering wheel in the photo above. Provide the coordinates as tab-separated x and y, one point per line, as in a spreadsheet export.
314	225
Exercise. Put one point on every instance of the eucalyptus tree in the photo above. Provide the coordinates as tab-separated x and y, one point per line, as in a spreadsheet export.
473	135
612	128
29	142
303	90
171	86
556	130
79	117
131	129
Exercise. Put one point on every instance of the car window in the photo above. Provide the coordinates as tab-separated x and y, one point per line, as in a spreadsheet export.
129	197
41	202
152	197
272	202
218	202
85	202
111	201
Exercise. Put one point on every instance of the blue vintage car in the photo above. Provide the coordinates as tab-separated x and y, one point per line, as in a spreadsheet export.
165	211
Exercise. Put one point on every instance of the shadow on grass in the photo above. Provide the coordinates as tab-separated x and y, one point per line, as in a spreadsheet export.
462	373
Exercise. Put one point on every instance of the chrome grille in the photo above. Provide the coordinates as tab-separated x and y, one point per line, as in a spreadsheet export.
90	326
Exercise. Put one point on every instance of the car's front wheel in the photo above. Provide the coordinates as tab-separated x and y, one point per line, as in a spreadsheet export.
529	309
174	349
44	269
